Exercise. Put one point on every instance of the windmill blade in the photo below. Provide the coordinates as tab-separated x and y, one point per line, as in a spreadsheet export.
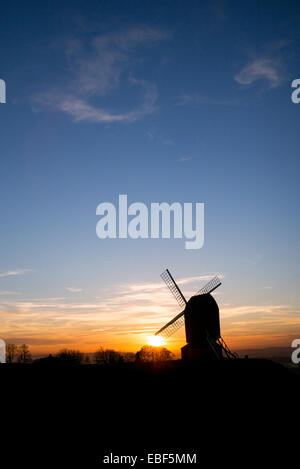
210	286
173	287
172	326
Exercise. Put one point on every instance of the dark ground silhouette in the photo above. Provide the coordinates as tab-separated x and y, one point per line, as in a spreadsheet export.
72	415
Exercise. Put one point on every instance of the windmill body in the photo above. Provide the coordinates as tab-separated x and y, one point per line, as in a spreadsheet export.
202	322
201	316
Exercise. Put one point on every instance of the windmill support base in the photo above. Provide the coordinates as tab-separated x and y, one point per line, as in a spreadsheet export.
197	353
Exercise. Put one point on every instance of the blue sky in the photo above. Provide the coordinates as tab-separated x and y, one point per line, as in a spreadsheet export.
162	101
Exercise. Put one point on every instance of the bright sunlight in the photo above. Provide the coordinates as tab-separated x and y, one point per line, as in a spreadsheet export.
156	341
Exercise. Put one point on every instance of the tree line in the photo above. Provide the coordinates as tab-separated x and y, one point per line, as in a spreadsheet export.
21	354
18	353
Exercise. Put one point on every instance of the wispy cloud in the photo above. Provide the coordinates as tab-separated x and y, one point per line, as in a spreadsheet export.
198	99
184	158
263	68
168	141
185	99
255	259
98	69
8	292
101	64
11	273
74	289
264	324
131	313
268	69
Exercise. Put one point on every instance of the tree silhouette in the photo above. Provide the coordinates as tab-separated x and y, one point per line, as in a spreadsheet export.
11	352
153	354
108	357
87	360
72	357
128	357
23	354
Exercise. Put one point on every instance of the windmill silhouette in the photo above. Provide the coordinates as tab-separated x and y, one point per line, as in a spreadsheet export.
202	322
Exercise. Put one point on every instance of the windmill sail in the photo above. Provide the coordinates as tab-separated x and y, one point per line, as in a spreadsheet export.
210	286
172	326
173	287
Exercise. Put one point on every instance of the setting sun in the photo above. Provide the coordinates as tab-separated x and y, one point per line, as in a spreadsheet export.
156	341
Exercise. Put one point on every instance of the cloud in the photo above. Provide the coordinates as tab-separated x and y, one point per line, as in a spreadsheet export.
260	324
98	69
140	308
8	292
132	312
11	273
185	99
197	99
81	110
260	69
198	278
168	141
74	289
256	310
256	259
184	158
150	287
150	135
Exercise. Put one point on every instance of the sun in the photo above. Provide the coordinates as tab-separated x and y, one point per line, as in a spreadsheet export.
156	341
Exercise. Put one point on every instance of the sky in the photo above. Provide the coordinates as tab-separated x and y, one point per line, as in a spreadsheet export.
165	101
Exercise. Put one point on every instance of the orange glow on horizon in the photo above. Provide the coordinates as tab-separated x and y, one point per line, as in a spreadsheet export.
134	343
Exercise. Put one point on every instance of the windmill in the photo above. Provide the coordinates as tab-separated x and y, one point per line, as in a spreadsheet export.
202	322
